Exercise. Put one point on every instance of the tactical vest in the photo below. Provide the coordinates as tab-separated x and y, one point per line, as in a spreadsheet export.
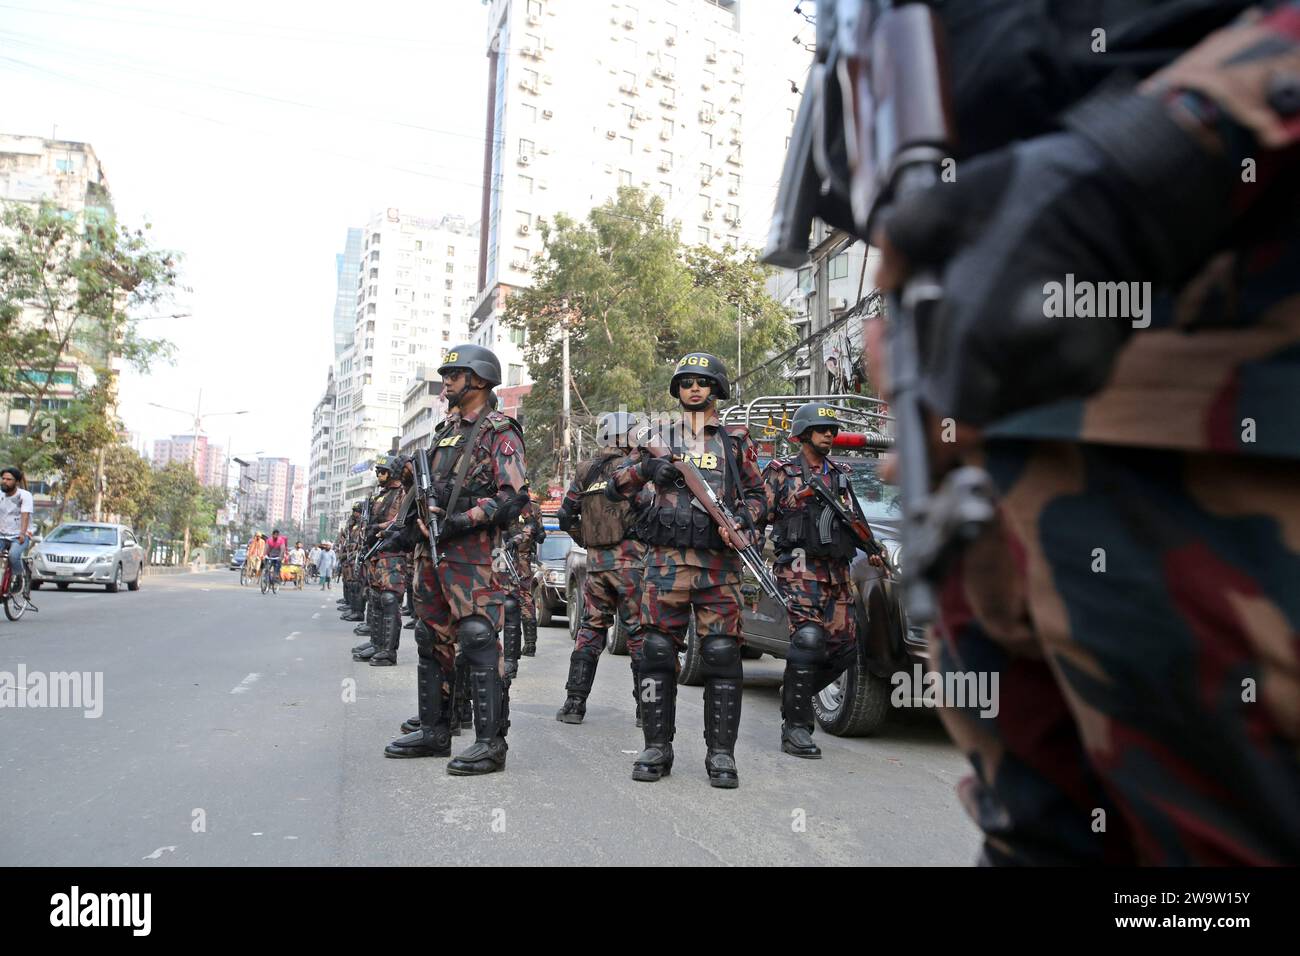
684	524
814	527
605	523
448	445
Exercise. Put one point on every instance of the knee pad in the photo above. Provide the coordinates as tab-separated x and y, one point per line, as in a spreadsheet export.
658	652
807	646
477	639
389	600
720	656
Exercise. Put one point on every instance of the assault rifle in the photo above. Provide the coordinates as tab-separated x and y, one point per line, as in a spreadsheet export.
357	561
508	560
425	490
860	530
721	515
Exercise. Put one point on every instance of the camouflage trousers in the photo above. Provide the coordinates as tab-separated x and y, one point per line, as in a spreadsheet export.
389	572
607	595
828	604
451	594
1140	612
524	593
345	570
670	592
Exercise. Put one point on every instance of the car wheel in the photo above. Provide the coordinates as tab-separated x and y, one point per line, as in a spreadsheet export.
61	585
135	585
855	704
618	637
573	617
117	581
690	667
544	613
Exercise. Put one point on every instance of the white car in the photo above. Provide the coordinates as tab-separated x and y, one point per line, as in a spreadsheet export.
88	552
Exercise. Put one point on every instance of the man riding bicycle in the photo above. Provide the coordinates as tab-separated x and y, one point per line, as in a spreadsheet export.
16	506
276	548
256	551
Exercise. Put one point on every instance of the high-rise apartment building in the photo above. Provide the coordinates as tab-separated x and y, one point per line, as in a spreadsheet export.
414	292
207	460
347	265
677	97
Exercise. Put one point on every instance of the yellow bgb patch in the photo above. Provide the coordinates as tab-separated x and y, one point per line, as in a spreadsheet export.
450	442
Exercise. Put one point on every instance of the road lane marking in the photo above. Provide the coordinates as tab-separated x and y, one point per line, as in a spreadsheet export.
243	686
293	635
316	615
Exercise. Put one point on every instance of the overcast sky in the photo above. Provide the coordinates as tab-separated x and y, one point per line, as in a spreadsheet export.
251	135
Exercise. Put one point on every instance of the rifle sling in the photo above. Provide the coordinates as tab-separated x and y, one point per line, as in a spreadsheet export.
462	466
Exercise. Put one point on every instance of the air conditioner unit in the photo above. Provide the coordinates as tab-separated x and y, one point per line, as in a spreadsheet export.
665	167
706	116
667	102
519	264
734	220
839	304
664	134
531	51
610	134
544	150
527	87
633	123
534	20
710	58
629	23
735	140
524	229
708	214
733	191
525	160
547	114
628	88
670	40
706	85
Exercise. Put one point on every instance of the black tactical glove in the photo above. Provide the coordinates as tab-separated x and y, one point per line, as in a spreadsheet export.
457	524
1126	196
660	470
564	519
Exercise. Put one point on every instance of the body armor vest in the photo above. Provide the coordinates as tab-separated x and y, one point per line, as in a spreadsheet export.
604	523
814	527
685	524
448	446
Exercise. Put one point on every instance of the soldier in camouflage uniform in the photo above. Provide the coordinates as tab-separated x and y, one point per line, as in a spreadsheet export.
365	535
477	463
1136	594
347	570
523	537
690	566
389	569
814	550
611	587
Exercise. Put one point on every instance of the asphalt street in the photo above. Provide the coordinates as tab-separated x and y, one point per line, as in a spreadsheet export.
236	730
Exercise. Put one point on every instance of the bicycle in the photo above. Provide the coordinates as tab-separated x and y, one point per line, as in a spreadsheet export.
16	595
250	571
270	575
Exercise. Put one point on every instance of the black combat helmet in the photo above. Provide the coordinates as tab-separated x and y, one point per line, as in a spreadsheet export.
612	429
813	413
705	365
479	360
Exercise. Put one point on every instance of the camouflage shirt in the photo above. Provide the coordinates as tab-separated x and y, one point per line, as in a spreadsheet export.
782	480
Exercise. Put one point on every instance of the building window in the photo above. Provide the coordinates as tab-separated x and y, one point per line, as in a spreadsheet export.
703	236
446	285
666	190
666	131
733	183
451	268
517	336
529	112
526	148
535	9
526	184
445	335
665	160
707	140
514	375
840	266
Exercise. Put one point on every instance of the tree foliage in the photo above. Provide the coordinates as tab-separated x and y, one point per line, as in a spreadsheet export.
635	300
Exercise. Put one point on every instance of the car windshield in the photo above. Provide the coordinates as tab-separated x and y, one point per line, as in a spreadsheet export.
880	501
84	534
555	547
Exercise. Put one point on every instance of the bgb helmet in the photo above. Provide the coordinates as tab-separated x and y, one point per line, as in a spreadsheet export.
612	429
479	360
396	463
705	365
382	463
813	413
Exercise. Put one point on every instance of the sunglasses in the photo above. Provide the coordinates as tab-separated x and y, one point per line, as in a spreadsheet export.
822	429
690	381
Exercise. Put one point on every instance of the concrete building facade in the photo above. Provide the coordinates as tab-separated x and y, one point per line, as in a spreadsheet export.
677	97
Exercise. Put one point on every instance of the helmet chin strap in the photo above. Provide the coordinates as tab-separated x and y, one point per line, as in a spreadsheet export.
700	406
453	401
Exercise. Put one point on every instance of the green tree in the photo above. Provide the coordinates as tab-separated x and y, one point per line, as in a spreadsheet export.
129	486
68	288
183	509
634	299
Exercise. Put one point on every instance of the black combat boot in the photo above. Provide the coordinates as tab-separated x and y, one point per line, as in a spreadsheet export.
658	715
636	692
582	671
361	647
721	727
410	723
530	638
432	736
390	630
797	725
491	701
358	610
409	625
372	628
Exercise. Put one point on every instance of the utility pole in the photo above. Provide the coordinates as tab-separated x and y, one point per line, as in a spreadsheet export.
740	318
568	418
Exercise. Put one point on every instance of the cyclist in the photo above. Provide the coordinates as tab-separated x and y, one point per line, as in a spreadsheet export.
277	546
16	508
256	552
